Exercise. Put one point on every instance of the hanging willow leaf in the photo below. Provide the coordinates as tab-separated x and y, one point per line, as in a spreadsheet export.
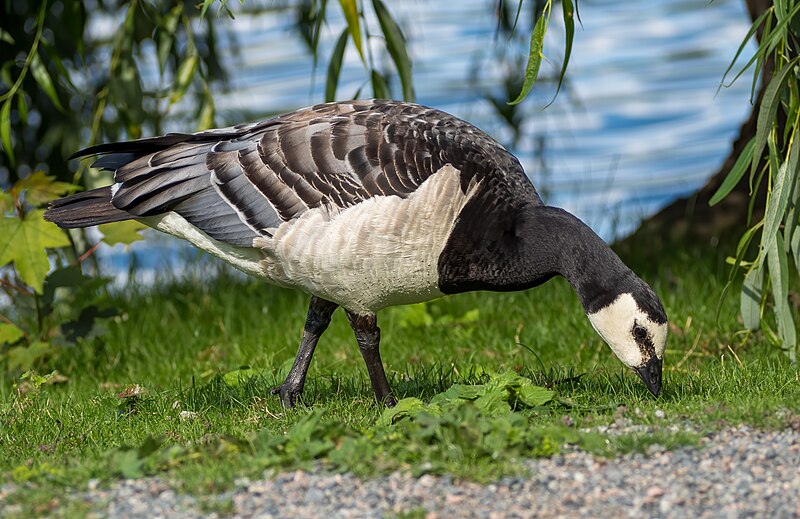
776	208
350	10
535	54
795	246
183	78
166	36
768	111
752	32
204	7
750	299
779	277
335	66
790	221
735	174
5	129
396	45
22	107
379	87
569	26
772	37
44	80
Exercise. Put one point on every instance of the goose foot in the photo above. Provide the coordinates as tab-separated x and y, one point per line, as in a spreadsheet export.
289	393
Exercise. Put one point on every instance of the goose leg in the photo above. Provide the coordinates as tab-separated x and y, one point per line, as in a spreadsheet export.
319	317
368	336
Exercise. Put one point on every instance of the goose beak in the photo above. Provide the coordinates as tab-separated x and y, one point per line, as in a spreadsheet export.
651	374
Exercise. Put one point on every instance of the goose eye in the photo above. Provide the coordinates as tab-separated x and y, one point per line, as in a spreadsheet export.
639	332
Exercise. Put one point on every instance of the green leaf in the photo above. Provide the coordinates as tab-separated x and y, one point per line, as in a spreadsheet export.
396	45
22	107
534	55
750	33
125	232
750	300
5	130
6	37
26	243
791	219
42	77
335	66
204	7
166	35
236	377
24	357
768	111
778	271
205	119
39	188
350	10
532	395
494	402
458	392
379	87
405	408
10	333
183	78
6	202
795	246
735	174
776	208
569	25
778	264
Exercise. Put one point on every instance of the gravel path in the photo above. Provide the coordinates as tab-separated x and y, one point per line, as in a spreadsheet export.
736	473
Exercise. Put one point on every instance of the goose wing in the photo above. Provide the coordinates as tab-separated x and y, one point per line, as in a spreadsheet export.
239	183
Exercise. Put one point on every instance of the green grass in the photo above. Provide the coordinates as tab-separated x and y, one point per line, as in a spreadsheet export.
179	341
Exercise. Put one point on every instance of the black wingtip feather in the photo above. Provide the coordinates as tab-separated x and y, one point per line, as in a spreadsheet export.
85	209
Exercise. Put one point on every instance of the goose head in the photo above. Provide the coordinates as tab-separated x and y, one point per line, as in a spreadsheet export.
634	325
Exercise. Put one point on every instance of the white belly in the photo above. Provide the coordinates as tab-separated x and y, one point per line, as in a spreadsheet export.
381	252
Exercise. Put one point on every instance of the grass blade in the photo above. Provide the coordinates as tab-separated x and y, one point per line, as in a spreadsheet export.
396	45
350	10
535	55
335	66
735	174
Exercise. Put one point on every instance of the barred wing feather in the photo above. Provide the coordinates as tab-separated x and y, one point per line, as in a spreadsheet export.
237	184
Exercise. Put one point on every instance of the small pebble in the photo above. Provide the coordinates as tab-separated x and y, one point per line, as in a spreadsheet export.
739	472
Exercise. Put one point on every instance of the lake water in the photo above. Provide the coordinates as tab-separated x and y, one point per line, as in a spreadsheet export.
639	123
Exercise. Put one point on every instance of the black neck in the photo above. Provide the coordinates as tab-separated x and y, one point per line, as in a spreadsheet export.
529	247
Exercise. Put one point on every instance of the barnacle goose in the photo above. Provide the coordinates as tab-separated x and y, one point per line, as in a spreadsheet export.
364	205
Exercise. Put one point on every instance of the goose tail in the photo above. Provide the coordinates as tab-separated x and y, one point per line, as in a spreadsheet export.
85	209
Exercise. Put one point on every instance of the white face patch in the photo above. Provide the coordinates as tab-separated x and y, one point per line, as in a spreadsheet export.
616	322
